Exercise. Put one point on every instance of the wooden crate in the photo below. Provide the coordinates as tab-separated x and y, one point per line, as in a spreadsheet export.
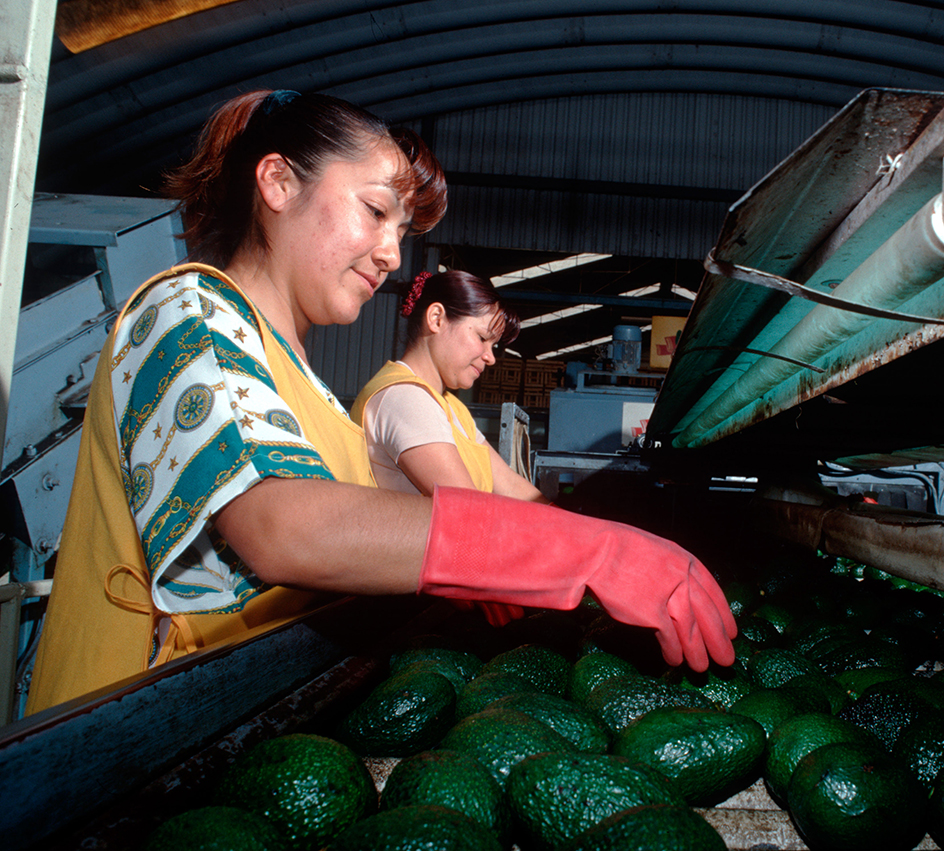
535	399
486	396
509	372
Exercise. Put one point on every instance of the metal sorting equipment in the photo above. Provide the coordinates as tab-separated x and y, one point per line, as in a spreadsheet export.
814	289
812	337
86	256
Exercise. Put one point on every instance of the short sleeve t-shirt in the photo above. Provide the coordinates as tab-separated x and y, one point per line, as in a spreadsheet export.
398	418
199	421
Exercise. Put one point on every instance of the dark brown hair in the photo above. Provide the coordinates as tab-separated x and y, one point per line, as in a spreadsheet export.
461	294
217	187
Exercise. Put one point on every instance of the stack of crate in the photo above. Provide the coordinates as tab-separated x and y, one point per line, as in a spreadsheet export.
502	382
540	378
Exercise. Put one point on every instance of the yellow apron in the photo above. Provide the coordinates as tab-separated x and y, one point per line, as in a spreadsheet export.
100	621
474	455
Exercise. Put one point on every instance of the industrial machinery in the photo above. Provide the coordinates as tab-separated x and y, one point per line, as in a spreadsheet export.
86	256
606	408
598	419
814	338
811	341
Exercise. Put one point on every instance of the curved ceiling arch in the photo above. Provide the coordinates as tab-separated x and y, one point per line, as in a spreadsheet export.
128	108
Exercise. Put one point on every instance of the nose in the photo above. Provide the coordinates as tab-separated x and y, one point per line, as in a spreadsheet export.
489	356
386	255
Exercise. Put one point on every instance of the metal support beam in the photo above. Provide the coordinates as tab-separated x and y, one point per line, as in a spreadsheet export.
26	28
666	306
592	187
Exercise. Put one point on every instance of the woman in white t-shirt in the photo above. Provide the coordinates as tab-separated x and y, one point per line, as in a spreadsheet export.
419	434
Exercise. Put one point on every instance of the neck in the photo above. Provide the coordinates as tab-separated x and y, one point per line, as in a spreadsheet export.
418	359
252	275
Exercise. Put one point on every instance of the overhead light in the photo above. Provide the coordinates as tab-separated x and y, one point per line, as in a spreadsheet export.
676	290
599	341
549	268
84	24
555	315
563	313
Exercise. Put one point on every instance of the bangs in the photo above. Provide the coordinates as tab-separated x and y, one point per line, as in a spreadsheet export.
422	178
509	323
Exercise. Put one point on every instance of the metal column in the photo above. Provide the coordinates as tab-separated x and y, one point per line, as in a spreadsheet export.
26	28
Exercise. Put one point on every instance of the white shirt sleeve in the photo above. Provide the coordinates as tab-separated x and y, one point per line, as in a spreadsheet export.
403	416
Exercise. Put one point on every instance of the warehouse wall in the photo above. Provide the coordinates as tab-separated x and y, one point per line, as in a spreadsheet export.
639	149
346	356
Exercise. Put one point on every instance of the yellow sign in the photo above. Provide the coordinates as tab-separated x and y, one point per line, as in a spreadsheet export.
666	331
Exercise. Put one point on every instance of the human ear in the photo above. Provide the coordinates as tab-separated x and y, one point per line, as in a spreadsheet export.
276	181
435	317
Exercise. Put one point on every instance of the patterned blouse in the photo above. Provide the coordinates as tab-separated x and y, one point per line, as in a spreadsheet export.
199	422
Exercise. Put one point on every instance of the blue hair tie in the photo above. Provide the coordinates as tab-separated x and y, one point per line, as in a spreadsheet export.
277	99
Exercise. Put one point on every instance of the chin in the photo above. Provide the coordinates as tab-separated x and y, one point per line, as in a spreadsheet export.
348	314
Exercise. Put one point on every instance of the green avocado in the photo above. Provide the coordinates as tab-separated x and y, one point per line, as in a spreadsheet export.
618	701
407	713
591	670
216	829
656	826
310	787
448	779
770	707
573	722
856	797
417	828
503	737
798	736
707	754
555	796
546	669
486	688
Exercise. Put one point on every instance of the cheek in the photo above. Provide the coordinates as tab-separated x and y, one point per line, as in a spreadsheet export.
333	227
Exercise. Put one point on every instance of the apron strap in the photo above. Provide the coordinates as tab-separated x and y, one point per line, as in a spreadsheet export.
179	631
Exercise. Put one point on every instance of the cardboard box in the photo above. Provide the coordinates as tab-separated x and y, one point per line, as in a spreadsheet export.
666	331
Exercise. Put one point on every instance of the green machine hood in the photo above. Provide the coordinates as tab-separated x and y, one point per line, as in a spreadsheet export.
815	331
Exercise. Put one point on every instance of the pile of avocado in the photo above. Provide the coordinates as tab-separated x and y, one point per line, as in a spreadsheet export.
565	731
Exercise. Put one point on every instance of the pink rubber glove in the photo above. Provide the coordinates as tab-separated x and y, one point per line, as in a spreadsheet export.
497	549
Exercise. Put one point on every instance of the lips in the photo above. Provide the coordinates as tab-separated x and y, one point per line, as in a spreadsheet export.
370	280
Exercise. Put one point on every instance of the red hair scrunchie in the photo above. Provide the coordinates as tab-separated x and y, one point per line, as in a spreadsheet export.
415	292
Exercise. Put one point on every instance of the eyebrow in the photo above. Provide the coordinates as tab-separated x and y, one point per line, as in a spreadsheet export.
391	184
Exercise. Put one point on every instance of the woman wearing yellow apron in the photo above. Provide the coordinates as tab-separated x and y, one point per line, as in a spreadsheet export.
418	433
220	485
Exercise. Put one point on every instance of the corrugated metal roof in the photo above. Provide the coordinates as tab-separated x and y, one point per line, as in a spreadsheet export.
120	112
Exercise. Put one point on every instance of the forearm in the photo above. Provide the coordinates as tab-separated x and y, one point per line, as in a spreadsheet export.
521	488
312	533
507	482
